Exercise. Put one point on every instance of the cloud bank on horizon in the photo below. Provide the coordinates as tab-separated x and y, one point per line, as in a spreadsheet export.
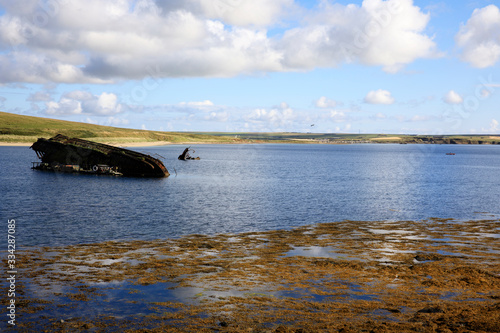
83	44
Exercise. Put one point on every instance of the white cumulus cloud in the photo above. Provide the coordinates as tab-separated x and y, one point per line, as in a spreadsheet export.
494	126
221	116
383	33
65	106
234	12
324	103
114	121
83	102
277	118
91	41
379	96
337	116
452	97
197	104
479	38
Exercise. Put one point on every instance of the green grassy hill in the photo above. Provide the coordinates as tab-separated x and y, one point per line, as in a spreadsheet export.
27	129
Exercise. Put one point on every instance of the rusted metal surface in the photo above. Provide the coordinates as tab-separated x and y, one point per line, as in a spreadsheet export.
61	153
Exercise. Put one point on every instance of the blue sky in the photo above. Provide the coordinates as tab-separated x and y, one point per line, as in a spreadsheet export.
373	66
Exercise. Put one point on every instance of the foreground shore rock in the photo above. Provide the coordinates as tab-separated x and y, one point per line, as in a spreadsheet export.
351	276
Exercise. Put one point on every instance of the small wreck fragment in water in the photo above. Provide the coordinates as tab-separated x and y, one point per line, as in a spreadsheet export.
185	155
64	154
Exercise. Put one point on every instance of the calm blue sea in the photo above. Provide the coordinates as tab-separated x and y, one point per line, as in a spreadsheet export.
239	188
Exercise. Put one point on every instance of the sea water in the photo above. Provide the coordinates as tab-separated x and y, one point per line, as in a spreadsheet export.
253	187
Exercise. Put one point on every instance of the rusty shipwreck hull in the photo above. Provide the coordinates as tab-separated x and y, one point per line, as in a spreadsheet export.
88	156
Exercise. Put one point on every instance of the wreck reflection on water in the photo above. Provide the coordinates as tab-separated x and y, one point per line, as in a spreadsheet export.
239	188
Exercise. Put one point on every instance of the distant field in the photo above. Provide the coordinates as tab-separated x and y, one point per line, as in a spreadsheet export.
26	129
340	138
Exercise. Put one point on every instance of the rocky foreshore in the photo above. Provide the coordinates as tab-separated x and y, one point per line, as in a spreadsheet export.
437	275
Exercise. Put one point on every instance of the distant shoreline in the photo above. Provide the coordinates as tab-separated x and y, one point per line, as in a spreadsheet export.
122	144
289	141
19	130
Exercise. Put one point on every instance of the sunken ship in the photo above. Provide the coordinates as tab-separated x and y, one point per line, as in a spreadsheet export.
64	154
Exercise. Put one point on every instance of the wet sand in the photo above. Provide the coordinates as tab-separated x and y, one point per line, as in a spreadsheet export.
428	276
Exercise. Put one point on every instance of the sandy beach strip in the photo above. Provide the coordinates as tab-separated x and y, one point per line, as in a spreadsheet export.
121	144
387	138
139	144
117	144
15	144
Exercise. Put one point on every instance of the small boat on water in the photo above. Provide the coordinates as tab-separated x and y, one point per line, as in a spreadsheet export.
450	153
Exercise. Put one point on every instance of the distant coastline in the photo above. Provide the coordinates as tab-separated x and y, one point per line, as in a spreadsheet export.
19	130
130	144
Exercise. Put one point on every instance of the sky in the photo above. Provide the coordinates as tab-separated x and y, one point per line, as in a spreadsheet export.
372	66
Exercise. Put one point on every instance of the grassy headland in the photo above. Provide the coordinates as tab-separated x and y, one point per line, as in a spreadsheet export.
27	129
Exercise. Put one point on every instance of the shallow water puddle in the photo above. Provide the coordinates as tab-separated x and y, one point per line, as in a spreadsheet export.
316	251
